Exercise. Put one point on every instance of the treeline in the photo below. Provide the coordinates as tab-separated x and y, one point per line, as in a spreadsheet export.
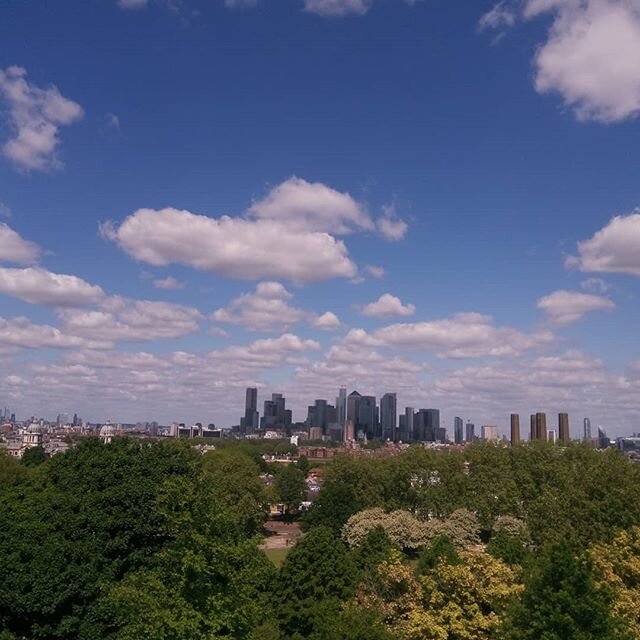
138	541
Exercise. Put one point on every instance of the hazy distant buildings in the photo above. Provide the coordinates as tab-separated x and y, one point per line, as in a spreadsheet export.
541	426
406	434
275	414
353	407
604	442
367	424
470	432
563	428
388	416
458	430
250	421
515	429
552	436
341	406
586	433
490	433
426	426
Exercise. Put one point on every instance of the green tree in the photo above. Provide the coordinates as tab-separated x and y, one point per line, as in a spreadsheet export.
317	576
335	504
291	487
303	465
441	549
33	457
561	601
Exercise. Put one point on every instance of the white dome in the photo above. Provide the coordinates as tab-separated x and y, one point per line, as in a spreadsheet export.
34	427
107	430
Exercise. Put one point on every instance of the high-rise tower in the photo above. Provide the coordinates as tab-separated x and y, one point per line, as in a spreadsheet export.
515	429
564	434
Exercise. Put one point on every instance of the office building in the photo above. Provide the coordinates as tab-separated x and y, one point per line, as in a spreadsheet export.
552	436
426	425
458	430
353	408
388	416
250	421
490	433
406	435
368	424
541	426
470	432
275	414
341	406
604	442
586	434
563	428
515	429
533	434
320	415
349	433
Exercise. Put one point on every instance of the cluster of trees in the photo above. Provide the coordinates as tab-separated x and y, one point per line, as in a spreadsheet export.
136	540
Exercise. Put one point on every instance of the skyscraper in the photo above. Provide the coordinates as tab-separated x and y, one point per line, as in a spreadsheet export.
470	432
515	429
541	426
320	415
426	425
587	430
250	422
407	435
533	433
458	430
368	418
353	409
341	406
275	414
563	428
388	416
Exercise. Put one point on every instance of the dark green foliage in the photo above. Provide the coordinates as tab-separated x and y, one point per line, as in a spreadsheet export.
508	548
33	456
354	623
441	549
303	465
562	602
317	576
335	504
291	487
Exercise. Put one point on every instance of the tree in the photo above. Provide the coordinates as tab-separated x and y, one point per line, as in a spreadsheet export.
441	549
335	504
33	457
303	465
561	601
317	576
291	487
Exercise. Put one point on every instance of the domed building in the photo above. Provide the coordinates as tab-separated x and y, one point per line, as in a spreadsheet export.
32	436
107	432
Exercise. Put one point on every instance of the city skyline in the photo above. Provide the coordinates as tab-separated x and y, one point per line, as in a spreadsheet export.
404	197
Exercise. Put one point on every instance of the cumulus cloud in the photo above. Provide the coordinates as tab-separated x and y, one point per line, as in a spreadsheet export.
39	286
13	248
328	321
265	309
168	283
465	335
123	320
374	270
390	225
35	116
387	305
613	249
591	56
5	210
268	352
337	8
566	307
20	332
307	206
235	247
595	284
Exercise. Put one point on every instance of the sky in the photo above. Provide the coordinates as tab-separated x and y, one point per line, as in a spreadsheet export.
432	197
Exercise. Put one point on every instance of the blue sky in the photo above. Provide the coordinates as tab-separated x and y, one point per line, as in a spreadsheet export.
434	198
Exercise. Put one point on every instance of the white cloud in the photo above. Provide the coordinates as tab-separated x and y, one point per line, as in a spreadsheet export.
120	319
112	120
465	335
116	360
240	4
132	4
613	249
375	271
595	284
337	8
591	56
20	332
35	116
307	206
387	305
390	225
168	283
233	247
266	309
328	321
566	307
39	286
14	248
268	352
5	210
